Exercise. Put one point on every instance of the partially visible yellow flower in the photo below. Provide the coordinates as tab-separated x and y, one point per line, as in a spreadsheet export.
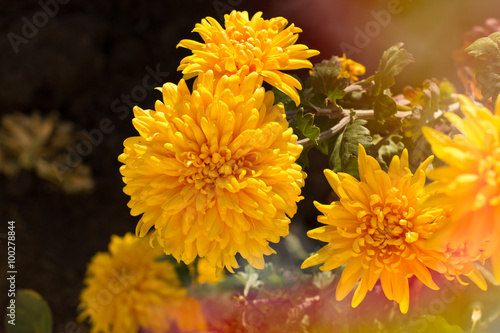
350	68
378	230
246	46
470	183
214	170
207	273
460	261
126	288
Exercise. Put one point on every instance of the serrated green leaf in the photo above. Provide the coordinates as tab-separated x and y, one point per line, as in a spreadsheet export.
336	94
324	86
387	148
485	47
303	125
32	314
324	76
486	50
343	158
384	107
336	155
393	61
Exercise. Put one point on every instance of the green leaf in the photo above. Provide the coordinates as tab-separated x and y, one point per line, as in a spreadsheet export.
387	148
324	76
337	93
324	87
486	50
430	323
303	125
345	151
272	276
32	314
384	107
485	47
393	61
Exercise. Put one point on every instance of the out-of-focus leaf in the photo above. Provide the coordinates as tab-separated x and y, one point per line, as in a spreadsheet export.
32	314
323	279
393	61
430	323
250	279
486	50
343	158
433	95
182	270
272	276
485	47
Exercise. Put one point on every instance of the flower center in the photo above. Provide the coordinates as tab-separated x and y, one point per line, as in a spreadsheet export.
386	230
211	169
250	48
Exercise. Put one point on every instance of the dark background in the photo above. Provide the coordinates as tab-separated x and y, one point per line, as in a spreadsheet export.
92	52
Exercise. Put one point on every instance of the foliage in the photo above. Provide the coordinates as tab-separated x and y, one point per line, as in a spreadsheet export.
32	314
486	50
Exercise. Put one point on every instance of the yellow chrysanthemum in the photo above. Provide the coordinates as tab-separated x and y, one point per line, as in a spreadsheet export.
126	288
350	68
213	171
246	46
470	183
378	230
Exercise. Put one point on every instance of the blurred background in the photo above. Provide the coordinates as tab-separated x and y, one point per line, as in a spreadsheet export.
71	70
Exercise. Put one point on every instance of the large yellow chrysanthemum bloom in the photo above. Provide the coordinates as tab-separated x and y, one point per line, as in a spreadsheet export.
248	45
213	171
379	231
126	288
470	183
